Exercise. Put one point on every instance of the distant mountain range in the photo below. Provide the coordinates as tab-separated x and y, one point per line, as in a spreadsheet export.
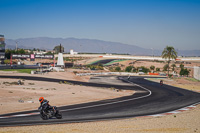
88	46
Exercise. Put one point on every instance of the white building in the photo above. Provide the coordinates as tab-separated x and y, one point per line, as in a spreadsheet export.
72	52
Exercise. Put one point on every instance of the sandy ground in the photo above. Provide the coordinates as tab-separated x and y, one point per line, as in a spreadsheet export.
185	122
25	97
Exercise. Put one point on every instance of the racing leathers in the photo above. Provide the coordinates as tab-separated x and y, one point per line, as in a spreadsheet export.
45	105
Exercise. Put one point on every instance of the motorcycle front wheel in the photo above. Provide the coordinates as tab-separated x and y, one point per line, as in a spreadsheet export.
43	116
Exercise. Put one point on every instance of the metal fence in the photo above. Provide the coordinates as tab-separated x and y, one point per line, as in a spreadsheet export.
197	72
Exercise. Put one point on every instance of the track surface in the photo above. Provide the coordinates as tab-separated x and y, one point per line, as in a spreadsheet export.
103	61
150	99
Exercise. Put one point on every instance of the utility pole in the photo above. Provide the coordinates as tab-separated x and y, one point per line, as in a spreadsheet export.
16	44
152	53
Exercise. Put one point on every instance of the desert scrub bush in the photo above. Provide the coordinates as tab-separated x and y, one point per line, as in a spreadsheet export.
10	92
75	72
12	83
112	88
31	83
5	82
65	82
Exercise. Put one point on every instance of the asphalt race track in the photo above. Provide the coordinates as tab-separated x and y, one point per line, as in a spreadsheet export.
150	98
103	61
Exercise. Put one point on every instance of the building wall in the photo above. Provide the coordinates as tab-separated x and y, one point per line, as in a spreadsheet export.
197	72
2	47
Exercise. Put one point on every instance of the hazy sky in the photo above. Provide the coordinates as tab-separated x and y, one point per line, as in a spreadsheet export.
145	23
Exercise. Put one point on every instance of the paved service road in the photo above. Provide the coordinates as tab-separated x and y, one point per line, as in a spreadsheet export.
151	98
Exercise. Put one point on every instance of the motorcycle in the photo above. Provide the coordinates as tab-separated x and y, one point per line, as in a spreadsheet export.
161	82
45	114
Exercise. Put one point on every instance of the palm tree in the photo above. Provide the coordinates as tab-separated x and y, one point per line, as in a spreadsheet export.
169	53
173	66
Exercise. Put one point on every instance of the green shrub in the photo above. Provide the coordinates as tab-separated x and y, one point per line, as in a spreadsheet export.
184	72
143	69
173	66
6	61
181	66
170	75
111	69
95	67
157	69
118	69
152	67
165	67
128	68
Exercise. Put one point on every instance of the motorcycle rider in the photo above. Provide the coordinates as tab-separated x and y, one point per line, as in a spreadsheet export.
44	104
161	82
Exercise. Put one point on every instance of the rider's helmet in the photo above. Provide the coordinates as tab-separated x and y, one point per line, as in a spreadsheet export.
41	99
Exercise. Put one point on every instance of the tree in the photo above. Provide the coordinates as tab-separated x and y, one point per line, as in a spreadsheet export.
128	68
21	51
57	49
173	66
8	52
152	67
49	53
169	53
157	69
184	72
165	67
7	61
143	69
117	69
181	66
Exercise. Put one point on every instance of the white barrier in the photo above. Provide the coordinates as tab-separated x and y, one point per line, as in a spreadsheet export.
58	69
130	57
107	73
197	73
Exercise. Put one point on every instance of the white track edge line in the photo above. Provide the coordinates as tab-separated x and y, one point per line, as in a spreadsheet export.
114	102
